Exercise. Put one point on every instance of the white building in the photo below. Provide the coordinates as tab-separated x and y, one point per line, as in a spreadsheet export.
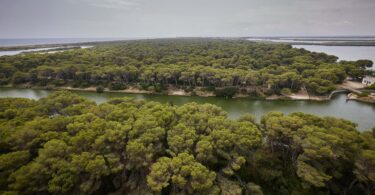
368	80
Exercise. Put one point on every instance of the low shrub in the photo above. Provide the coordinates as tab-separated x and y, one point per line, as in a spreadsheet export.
285	91
227	92
84	84
117	86
59	82
144	86
210	88
371	86
364	94
99	89
159	88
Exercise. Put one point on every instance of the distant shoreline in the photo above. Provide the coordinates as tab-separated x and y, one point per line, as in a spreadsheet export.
17	42
64	44
26	47
364	41
271	40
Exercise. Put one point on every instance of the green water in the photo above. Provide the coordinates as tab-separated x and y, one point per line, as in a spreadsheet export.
361	113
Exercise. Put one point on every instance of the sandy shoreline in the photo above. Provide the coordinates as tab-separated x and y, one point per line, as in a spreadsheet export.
178	92
300	96
369	99
175	91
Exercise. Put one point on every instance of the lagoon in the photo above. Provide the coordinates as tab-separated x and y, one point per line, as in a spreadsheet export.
344	52
361	113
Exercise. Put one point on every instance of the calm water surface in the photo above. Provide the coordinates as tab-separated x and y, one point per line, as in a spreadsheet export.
15	52
361	113
344	52
42	41
42	50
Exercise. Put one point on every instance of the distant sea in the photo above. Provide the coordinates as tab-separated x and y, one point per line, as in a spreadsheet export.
42	41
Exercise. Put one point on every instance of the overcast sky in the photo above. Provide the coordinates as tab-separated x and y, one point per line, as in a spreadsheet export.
171	18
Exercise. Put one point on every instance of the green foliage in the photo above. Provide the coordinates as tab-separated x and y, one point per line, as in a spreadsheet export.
117	86
319	86
182	172
285	91
227	92
356	70
99	89
364	63
203	63
20	77
210	88
65	144
371	86
159	88
319	150
363	94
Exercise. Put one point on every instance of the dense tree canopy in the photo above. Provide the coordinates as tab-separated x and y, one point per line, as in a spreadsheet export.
186	63
66	144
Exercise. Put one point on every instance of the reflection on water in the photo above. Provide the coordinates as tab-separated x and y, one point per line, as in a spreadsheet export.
361	113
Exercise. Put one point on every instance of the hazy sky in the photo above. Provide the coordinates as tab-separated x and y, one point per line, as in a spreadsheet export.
171	18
